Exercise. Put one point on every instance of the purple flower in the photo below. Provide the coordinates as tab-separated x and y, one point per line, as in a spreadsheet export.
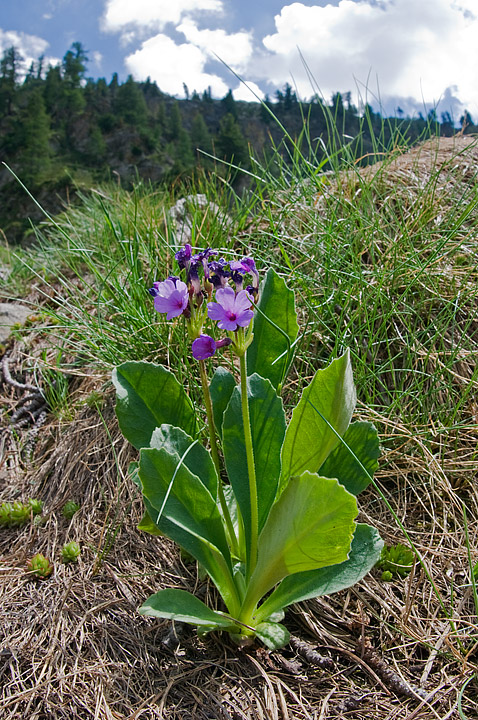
205	346
170	296
237	279
202	257
219	273
231	311
247	265
192	278
183	256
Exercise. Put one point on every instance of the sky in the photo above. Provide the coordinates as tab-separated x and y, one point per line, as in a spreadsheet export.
409	54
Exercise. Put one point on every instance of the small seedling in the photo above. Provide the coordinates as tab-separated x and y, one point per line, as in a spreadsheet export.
5	514
95	400
36	506
40	566
396	560
17	513
70	552
69	509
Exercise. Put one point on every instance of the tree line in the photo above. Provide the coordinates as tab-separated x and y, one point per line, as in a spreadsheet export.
60	129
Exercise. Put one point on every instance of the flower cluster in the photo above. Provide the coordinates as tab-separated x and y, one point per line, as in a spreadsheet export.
232	309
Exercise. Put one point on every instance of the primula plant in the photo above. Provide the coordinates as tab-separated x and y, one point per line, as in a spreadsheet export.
268	508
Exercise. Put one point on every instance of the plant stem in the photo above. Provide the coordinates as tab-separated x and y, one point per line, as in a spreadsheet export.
215	457
251	470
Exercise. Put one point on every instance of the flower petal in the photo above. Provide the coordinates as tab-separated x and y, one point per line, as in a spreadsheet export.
203	347
226	297
244	318
243	301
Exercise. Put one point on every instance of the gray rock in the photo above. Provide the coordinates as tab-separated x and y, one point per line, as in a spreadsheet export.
11	314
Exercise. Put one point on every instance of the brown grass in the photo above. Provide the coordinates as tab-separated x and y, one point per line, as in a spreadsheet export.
74	646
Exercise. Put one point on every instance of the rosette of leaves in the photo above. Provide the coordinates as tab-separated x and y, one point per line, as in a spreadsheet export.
396	560
39	566
309	471
70	552
69	509
17	513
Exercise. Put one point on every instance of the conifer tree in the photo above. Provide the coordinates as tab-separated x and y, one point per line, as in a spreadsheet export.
200	136
231	144
73	71
229	104
130	104
175	121
34	134
9	69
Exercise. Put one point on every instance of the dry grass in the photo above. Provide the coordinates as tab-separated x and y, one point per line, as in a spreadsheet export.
74	646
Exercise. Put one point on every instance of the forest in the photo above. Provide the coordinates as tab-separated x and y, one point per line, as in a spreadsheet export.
62	132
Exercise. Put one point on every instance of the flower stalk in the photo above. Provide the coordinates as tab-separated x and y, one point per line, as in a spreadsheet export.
215	458
251	469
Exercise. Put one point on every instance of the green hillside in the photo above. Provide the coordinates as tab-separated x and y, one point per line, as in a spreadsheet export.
61	131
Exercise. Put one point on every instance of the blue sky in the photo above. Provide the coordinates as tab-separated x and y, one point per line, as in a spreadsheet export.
407	53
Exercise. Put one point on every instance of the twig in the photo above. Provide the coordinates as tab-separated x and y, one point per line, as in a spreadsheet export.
310	654
10	381
389	676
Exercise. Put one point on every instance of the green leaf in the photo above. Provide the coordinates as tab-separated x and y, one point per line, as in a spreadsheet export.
133	472
362	438
364	553
231	503
185	511
147	396
276	304
273	635
310	526
180	605
309	439
195	456
221	387
148	526
267	428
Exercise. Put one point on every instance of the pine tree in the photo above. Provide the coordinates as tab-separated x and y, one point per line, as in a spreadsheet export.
175	121
73	71
229	104
34	137
183	154
52	89
95	149
200	136
290	98
74	65
9	69
130	104
231	144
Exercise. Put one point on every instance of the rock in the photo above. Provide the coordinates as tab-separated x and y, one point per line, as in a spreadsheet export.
182	215
11	314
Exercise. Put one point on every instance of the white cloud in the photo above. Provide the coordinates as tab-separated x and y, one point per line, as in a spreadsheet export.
151	15
251	93
171	65
30	47
97	58
235	49
412	48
